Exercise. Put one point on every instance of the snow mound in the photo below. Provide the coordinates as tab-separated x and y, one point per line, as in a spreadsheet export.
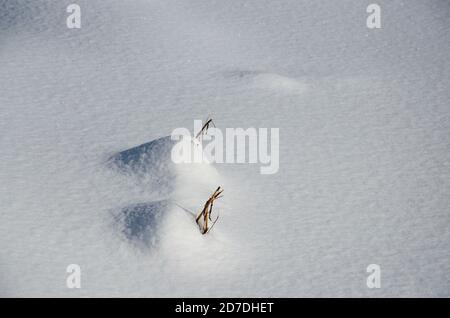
186	188
267	81
144	224
149	163
140	222
146	158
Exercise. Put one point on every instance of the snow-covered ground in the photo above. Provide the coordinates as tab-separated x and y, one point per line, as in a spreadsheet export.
364	118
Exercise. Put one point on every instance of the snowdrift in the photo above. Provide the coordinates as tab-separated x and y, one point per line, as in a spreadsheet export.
186	187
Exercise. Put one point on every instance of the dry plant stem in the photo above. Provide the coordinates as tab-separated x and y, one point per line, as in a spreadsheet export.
207	211
205	128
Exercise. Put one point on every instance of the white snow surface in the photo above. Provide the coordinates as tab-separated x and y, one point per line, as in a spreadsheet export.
364	118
